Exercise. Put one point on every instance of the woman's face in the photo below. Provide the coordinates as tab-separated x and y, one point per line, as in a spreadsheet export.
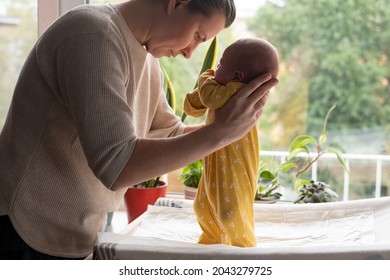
182	32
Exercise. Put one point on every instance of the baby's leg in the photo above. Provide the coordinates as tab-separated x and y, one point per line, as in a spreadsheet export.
234	212
211	232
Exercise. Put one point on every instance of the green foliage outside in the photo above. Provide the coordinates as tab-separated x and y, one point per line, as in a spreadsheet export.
332	51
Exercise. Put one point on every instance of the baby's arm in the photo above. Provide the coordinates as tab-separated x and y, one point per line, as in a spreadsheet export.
192	105
213	95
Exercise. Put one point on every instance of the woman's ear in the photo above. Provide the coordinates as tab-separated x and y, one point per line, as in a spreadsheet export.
238	76
173	4
178	2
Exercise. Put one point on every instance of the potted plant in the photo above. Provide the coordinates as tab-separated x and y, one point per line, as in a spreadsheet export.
138	197
316	192
267	190
190	176
287	174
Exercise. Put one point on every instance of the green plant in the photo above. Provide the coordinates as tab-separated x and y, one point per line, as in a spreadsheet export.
151	183
316	192
287	174
267	193
191	174
170	91
267	184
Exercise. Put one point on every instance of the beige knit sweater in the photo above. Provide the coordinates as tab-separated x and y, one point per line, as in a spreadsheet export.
87	90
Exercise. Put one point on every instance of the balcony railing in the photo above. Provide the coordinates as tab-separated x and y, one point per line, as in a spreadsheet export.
378	161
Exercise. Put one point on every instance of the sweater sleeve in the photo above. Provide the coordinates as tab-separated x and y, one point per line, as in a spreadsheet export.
92	76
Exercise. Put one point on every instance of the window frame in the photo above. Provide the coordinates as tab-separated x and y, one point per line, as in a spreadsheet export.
50	10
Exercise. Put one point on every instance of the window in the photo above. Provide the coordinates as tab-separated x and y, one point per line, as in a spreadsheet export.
18	21
332	52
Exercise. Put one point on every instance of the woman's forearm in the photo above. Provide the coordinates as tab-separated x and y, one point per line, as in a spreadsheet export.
153	157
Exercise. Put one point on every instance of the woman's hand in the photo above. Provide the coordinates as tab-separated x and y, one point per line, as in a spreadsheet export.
244	109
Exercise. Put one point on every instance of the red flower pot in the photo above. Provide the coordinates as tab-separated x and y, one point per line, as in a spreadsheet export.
138	199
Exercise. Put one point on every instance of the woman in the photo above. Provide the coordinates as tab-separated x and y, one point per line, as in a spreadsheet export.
88	119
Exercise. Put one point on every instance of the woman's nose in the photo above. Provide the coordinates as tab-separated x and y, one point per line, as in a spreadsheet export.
187	52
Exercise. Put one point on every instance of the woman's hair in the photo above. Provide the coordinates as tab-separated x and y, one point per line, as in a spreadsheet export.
209	7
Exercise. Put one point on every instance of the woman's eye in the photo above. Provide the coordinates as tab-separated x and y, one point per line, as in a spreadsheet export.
197	36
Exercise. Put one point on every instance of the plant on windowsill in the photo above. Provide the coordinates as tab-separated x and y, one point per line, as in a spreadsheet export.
138	197
287	174
190	176
267	190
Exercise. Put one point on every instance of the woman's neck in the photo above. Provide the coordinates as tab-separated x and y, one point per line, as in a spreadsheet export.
141	11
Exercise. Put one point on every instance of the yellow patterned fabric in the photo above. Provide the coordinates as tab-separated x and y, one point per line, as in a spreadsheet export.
224	201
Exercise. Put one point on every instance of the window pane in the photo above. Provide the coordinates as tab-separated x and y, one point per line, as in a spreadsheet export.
18	33
332	52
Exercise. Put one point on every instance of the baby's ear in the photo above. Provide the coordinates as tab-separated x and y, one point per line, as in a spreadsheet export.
238	76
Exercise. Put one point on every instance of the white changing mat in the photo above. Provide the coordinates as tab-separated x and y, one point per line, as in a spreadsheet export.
352	229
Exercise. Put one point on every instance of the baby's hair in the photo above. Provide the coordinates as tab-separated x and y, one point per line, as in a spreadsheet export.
256	56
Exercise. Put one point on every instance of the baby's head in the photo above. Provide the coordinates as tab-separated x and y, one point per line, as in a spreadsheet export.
247	59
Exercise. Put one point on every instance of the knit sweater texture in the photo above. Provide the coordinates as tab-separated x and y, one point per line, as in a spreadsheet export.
86	92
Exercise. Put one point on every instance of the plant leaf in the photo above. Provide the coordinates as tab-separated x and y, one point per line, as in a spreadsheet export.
299	183
209	58
267	175
322	138
297	151
286	166
265	179
170	91
300	144
339	157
